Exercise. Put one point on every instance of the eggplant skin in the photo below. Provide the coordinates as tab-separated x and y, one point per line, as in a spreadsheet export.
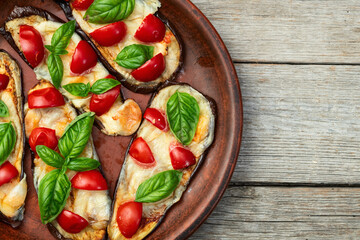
141	88
150	224
16	220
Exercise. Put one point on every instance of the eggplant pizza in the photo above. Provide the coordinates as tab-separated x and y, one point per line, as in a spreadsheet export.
58	54
135	40
13	187
177	129
73	194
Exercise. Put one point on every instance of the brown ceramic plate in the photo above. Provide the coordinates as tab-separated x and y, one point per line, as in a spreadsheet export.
209	69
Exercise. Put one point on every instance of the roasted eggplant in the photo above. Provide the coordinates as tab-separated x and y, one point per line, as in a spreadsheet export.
161	158
87	210
144	13
119	117
13	186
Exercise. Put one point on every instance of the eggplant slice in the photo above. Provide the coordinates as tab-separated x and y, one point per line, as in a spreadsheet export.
132	175
94	206
170	47
123	118
13	194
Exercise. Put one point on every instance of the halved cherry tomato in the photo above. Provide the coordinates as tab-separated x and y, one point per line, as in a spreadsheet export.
152	29
31	45
83	59
157	118
44	98
102	103
110	34
128	218
4	81
151	69
71	222
140	151
89	180
82	4
7	172
43	136
181	157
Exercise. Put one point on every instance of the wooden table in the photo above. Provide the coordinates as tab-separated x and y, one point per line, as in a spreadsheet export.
298	173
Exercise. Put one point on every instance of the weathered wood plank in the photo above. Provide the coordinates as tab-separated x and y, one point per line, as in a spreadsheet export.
301	124
287	30
284	213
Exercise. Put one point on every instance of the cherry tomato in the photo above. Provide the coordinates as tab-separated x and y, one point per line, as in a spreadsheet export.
110	34
150	70
31	44
43	136
128	218
102	103
82	4
152	29
83	59
44	98
157	118
181	157
140	151
7	172
71	222
4	81
89	180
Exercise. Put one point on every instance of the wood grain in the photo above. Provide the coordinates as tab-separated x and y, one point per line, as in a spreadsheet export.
287	30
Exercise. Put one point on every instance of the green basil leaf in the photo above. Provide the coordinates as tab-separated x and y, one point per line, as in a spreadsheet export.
4	111
61	38
104	85
135	55
158	186
76	135
49	156
78	89
59	51
109	11
56	69
183	113
50	48
83	164
54	190
7	140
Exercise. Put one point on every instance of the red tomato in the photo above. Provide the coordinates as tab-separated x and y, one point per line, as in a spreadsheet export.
128	218
83	59
140	151
71	222
82	4
44	98
181	157
31	44
89	180
7	172
152	29
110	34
157	118
150	70
43	136
102	103
4	81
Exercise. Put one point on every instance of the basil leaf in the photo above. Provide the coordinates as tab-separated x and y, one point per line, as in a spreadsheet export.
83	164
104	85
183	113
78	89
59	51
4	111
54	190
135	55
61	38
109	11
158	186
50	48
49	156
76	135
56	69
7	140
